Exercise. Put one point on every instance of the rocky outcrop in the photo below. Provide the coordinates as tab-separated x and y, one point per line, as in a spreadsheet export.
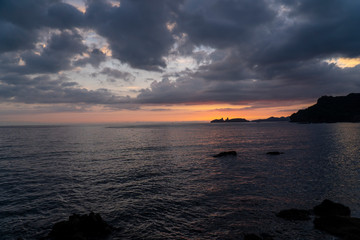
330	217
330	208
225	154
80	227
227	120
340	226
331	109
274	153
334	218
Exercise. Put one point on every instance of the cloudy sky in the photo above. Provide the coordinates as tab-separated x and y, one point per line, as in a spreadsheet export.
173	60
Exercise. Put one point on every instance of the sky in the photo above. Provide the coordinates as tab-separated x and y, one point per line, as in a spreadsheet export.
97	61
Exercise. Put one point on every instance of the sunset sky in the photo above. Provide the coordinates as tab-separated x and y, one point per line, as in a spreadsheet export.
92	61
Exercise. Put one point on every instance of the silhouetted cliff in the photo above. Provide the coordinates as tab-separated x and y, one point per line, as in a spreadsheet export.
331	109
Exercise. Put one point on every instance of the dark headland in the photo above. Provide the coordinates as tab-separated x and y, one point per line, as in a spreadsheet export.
273	119
330	110
270	119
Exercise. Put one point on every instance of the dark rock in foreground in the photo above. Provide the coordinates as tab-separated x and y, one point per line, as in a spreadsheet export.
331	109
335	219
330	208
344	227
229	120
225	154
262	236
252	236
294	214
80	227
274	153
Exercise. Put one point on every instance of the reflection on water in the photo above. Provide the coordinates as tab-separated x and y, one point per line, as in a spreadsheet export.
344	156
161	181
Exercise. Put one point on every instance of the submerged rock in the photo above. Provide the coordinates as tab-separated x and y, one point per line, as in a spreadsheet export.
80	227
294	214
274	153
330	208
225	154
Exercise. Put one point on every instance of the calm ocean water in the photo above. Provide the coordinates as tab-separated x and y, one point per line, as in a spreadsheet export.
161	181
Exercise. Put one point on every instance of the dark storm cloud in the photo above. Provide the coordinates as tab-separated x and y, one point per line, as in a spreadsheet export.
96	56
45	90
22	26
229	67
319	29
137	31
21	20
261	50
222	24
304	81
194	91
63	15
279	57
13	37
30	14
118	75
56	56
256	36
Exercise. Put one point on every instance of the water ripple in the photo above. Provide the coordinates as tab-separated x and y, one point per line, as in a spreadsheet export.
160	182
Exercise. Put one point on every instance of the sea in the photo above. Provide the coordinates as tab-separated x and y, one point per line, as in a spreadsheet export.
161	181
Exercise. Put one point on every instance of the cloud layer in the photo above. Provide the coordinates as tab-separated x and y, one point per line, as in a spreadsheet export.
246	51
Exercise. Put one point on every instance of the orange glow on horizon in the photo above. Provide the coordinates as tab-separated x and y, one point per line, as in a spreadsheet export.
178	113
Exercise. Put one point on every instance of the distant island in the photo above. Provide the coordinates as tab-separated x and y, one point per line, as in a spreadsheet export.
229	120
330	109
270	119
273	119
